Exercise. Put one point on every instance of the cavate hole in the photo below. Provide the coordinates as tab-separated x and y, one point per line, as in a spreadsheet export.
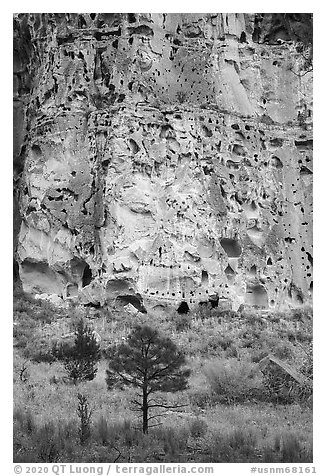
131	18
134	146
204	276
72	290
239	149
305	171
304	144
133	300
87	276
276	162
231	247
207	131
253	270
229	271
257	296
243	37
276	142
310	258
214	301
37	150
183	308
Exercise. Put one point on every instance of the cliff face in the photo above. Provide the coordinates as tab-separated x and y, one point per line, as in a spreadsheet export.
164	158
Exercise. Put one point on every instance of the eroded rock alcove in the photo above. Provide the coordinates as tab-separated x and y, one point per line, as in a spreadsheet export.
164	160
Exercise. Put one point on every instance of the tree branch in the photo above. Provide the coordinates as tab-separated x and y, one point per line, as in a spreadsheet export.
116	449
162	405
137	403
156	416
159	371
156	424
126	379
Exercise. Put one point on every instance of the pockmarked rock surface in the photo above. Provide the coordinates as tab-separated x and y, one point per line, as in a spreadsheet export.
164	159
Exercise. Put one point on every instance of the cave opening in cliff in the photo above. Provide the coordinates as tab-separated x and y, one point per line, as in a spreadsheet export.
231	247
257	296
243	38
183	308
214	301
204	276
87	276
95	305
72	290
211	303
229	271
134	300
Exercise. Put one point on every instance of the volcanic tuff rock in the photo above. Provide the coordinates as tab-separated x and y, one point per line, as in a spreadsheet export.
162	159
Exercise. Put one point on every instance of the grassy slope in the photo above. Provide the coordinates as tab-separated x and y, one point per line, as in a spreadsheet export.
205	430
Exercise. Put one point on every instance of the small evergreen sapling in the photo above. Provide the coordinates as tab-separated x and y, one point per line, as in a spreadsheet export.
82	359
84	414
150	362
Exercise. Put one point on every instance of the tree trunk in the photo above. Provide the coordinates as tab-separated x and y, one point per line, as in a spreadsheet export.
145	410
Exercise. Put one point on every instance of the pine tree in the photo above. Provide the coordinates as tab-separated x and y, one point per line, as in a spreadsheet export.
81	363
151	363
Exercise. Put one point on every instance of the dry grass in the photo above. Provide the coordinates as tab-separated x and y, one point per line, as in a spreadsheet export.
223	420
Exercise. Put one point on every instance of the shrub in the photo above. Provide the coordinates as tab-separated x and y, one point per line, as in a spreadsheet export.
82	358
84	414
250	338
47	445
307	366
174	440
232	351
243	442
283	351
79	370
236	446
290	449
25	419
283	388
102	430
232	381
62	350
200	398
36	309
29	314
224	342
121	433
287	448
198	427
38	349
182	322
258	355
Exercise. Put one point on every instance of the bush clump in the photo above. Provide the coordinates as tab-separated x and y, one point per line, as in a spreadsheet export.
233	381
80	363
198	427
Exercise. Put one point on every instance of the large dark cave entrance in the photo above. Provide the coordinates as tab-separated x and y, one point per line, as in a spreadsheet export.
134	300
214	301
87	276
183	308
231	247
